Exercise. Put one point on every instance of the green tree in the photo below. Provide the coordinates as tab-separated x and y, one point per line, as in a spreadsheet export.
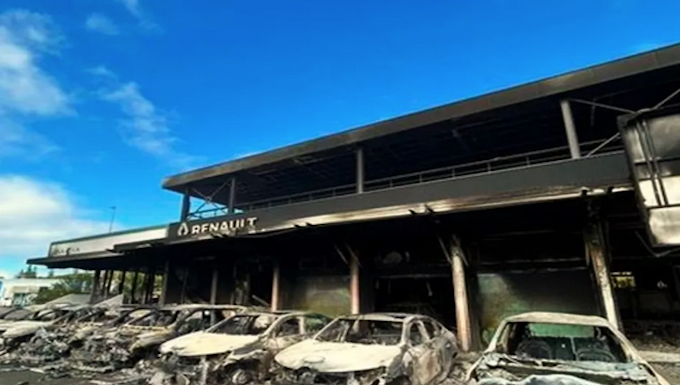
75	283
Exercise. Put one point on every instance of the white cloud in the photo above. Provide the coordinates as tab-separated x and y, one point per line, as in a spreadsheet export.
34	213
102	71
26	89
18	141
146	128
102	24
134	8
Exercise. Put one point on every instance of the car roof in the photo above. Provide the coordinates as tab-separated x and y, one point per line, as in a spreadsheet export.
389	317
194	306
560	318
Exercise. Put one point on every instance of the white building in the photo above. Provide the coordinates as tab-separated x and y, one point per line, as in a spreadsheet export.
21	291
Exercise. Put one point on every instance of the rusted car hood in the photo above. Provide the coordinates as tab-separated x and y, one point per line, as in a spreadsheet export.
205	344
336	357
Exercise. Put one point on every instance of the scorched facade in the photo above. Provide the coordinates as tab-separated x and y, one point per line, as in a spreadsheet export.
534	198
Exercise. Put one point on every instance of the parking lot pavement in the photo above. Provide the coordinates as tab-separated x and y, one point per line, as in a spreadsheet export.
32	378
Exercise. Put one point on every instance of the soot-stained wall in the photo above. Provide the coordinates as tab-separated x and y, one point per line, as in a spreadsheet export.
328	294
500	295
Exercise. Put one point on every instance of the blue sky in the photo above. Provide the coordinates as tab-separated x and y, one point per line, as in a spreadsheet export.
101	99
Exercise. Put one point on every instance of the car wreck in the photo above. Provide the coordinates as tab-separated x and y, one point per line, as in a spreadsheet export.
54	342
564	349
16	333
371	349
139	339
238	350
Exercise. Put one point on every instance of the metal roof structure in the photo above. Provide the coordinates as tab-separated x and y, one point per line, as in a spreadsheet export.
521	120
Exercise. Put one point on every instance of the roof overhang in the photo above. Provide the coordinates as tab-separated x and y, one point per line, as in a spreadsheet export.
563	84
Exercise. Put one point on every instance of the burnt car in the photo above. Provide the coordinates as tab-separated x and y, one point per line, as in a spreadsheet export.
555	348
54	342
238	350
139	339
16	333
371	349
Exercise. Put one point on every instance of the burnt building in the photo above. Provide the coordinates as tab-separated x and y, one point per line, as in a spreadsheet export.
557	195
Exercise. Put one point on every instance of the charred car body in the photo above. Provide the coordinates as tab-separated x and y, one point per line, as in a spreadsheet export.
238	350
124	346
371	349
53	343
554	348
16	333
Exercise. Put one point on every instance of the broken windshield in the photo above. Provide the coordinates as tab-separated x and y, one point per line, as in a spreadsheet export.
563	342
244	324
367	332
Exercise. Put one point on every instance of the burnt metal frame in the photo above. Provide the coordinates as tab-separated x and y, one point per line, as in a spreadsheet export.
187	213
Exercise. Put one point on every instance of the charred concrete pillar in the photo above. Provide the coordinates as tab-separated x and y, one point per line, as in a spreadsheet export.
596	254
276	286
121	283
133	290
460	295
95	286
213	285
354	287
166	280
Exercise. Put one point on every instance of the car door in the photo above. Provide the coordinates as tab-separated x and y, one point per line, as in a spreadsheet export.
287	332
443	341
426	363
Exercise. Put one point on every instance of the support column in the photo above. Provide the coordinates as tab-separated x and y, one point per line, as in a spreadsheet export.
360	171
460	296
570	128
276	286
95	286
150	283
232	195
166	279
121	284
213	285
133	291
103	293
186	206
596	253
354	271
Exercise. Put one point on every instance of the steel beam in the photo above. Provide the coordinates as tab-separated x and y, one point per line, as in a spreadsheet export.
232	196
460	296
570	128
186	206
276	286
360	171
596	253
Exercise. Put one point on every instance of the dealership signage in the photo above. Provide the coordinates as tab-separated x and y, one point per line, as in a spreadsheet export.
216	227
